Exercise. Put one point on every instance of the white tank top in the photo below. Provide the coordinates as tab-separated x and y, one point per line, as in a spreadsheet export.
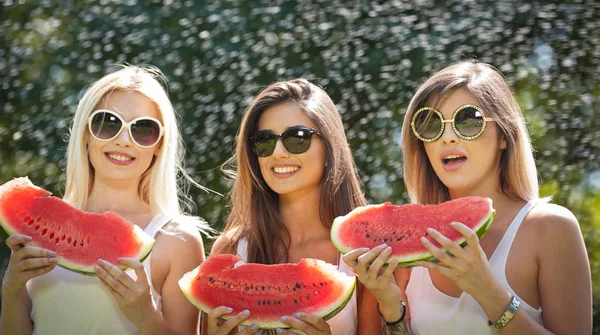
69	303
343	323
433	312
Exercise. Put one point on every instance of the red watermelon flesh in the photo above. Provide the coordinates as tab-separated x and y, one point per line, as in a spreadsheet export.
79	238
402	226
268	291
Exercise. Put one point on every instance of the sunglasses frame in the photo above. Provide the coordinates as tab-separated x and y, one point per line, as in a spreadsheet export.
125	125
278	137
452	121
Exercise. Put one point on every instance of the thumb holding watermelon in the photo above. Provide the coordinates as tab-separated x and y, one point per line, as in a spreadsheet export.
26	262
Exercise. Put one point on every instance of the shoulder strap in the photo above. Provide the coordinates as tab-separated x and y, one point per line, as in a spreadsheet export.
159	221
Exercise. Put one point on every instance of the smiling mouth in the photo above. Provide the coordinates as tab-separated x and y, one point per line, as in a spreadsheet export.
454	159
120	158
285	169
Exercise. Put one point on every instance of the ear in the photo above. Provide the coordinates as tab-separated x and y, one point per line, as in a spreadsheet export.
503	144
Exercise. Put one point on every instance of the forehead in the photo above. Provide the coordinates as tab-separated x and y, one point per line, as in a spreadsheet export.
452	100
129	104
282	116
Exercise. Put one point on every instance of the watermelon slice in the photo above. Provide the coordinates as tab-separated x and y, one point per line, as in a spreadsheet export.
402	226
78	238
268	291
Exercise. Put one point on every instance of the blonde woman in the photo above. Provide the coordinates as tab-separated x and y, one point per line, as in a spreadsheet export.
124	154
464	135
295	174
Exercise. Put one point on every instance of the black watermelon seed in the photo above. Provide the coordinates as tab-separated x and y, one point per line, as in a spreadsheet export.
247	288
263	288
368	235
321	283
297	285
295	301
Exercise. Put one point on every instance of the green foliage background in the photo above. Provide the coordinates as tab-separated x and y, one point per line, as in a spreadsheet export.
370	56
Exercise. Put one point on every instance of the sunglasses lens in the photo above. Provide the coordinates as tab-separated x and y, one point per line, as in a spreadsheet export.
145	132
469	121
297	140
427	124
105	125
263	143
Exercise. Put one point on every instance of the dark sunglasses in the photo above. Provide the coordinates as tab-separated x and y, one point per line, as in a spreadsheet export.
296	140
105	125
468	123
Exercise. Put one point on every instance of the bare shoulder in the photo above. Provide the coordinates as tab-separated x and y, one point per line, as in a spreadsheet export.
179	238
549	218
225	242
554	229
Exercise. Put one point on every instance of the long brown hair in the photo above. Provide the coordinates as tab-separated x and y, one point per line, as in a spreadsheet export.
518	174
254	206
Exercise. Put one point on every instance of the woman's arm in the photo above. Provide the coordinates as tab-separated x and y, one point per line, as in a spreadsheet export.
25	262
564	280
186	252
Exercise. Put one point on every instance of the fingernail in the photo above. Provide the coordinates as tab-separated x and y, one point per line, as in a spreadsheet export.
254	327
246	312
284	318
98	268
424	240
279	330
388	249
383	246
229	309
430	230
52	260
101	261
297	315
51	253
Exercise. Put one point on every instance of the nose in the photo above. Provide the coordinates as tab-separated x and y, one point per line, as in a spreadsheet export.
124	138
448	135
280	151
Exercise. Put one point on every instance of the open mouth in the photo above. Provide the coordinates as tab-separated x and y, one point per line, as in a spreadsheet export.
454	159
285	169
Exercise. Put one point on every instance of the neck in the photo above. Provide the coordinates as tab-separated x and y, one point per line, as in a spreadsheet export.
115	196
300	215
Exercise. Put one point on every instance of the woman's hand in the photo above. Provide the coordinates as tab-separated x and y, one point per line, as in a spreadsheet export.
133	296
371	269
309	324
217	326
25	262
468	267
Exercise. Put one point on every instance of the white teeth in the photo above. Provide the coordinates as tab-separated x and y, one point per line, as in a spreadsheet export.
120	158
286	169
453	157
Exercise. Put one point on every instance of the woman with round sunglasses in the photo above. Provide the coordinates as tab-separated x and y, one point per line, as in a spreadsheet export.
530	273
124	154
294	174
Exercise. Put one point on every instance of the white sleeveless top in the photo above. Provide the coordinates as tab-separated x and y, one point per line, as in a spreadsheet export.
343	323
433	312
65	302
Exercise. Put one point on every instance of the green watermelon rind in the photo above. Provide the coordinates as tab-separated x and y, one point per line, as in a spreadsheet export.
148	244
186	280
409	260
480	233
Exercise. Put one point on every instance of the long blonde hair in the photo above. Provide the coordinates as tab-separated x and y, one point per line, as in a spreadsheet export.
158	185
254	206
518	174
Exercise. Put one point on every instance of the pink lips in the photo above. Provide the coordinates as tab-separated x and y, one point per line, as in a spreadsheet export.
453	164
116	161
